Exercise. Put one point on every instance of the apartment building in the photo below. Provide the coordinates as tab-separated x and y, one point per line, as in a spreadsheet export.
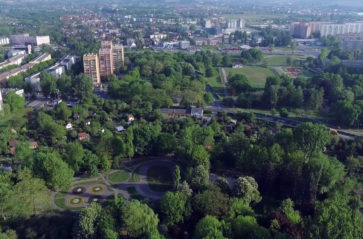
106	61
92	68
340	29
300	30
118	55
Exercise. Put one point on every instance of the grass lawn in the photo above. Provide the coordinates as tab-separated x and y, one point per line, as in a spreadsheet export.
159	178
119	176
215	84
87	183
135	176
256	74
278	60
134	194
60	200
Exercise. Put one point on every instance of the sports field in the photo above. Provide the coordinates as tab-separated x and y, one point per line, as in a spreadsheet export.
256	74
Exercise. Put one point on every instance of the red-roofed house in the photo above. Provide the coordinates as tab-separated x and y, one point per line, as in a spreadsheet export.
13	143
82	135
237	64
130	118
34	145
12	150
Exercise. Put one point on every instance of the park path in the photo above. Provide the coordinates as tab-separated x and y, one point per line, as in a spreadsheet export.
224	80
142	186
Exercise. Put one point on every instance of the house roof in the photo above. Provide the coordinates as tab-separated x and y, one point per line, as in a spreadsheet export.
82	135
34	144
13	143
120	128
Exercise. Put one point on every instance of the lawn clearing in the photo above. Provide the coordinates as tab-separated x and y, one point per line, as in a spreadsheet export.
159	178
119	176
278	60
256	74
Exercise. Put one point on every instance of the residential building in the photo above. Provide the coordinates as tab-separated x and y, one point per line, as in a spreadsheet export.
106	61
106	44
16	60
184	45
21	69
340	29
24	39
352	42
4	41
92	68
300	30
12	53
235	23
118	56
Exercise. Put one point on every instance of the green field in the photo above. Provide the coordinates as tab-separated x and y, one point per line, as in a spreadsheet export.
119	176
278	60
256	74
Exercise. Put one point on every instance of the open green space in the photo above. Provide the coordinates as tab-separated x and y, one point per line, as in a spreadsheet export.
135	176
119	176
278	60
256	74
60	200
159	178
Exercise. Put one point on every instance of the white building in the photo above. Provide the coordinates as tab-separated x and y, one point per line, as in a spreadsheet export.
340	29
4	41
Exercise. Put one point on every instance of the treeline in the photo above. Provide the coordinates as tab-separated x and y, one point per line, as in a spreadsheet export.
163	79
342	95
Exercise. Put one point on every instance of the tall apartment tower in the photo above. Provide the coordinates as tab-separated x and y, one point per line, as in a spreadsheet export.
118	56
106	61
106	45
92	68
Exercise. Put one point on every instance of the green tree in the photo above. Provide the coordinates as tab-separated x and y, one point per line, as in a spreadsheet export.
27	197
200	177
227	61
83	86
209	228
54	170
311	138
14	101
287	208
239	83
62	111
174	207
48	83
337	218
86	224
211	202
139	220
176	177
75	156
247	189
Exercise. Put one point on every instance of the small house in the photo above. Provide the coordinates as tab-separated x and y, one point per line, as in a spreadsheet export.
130	118
82	135
34	145
69	126
13	143
119	128
237	65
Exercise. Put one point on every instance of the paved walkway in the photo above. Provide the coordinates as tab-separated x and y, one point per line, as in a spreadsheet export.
142	186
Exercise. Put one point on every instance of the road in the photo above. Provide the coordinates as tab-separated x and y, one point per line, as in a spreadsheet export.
271	118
